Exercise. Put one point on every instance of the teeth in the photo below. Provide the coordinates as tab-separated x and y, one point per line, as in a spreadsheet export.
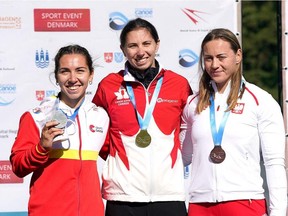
72	87
140	60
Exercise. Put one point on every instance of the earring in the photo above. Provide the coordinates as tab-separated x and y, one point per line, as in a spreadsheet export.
90	82
57	83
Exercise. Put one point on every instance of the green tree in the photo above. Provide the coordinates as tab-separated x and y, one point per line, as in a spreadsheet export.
259	42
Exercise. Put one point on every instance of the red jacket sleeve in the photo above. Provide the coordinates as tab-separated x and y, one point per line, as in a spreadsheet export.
24	156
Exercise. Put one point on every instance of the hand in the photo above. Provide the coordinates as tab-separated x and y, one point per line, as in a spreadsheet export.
49	132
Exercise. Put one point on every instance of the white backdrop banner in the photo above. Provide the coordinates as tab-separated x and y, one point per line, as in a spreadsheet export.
31	32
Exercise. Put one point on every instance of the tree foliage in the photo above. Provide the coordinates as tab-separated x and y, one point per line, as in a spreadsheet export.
260	45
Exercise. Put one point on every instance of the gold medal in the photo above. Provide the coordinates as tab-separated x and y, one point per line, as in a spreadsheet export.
217	155
143	139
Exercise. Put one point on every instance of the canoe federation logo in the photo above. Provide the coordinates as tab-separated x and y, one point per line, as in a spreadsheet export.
118	20
7	91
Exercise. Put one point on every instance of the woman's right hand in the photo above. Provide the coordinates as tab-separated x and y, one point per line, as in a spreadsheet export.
49	132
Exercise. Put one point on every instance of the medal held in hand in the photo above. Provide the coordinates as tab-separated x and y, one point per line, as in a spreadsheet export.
61	118
143	139
217	155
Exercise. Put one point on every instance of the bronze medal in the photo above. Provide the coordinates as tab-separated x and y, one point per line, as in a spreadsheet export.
217	155
143	139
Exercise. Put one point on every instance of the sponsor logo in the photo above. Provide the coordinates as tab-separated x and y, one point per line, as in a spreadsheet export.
187	58
94	129
144	12
7	175
109	57
3	59
161	100
50	93
61	20
193	15
42	59
41	94
6	90
197	19
117	20
4	102
118	56
10	22
5	134
7	68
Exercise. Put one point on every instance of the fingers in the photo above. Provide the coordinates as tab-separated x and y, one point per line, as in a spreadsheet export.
50	124
49	132
52	132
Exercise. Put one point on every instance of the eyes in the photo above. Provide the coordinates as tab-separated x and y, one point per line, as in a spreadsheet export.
211	58
67	71
135	45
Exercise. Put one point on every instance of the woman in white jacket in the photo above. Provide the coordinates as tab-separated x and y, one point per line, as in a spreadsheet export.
59	141
228	126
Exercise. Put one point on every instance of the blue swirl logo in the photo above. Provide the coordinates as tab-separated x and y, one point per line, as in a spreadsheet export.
187	58
3	102
117	20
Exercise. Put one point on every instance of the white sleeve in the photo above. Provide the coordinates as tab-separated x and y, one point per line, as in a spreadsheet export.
185	137
276	180
272	136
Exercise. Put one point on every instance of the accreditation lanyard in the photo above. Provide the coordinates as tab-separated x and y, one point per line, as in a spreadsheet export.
217	135
143	123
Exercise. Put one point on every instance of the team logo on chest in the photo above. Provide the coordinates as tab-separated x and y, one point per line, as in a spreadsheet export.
122	98
239	108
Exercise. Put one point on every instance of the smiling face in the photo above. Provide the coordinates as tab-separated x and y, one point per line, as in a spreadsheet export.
220	61
73	77
140	49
